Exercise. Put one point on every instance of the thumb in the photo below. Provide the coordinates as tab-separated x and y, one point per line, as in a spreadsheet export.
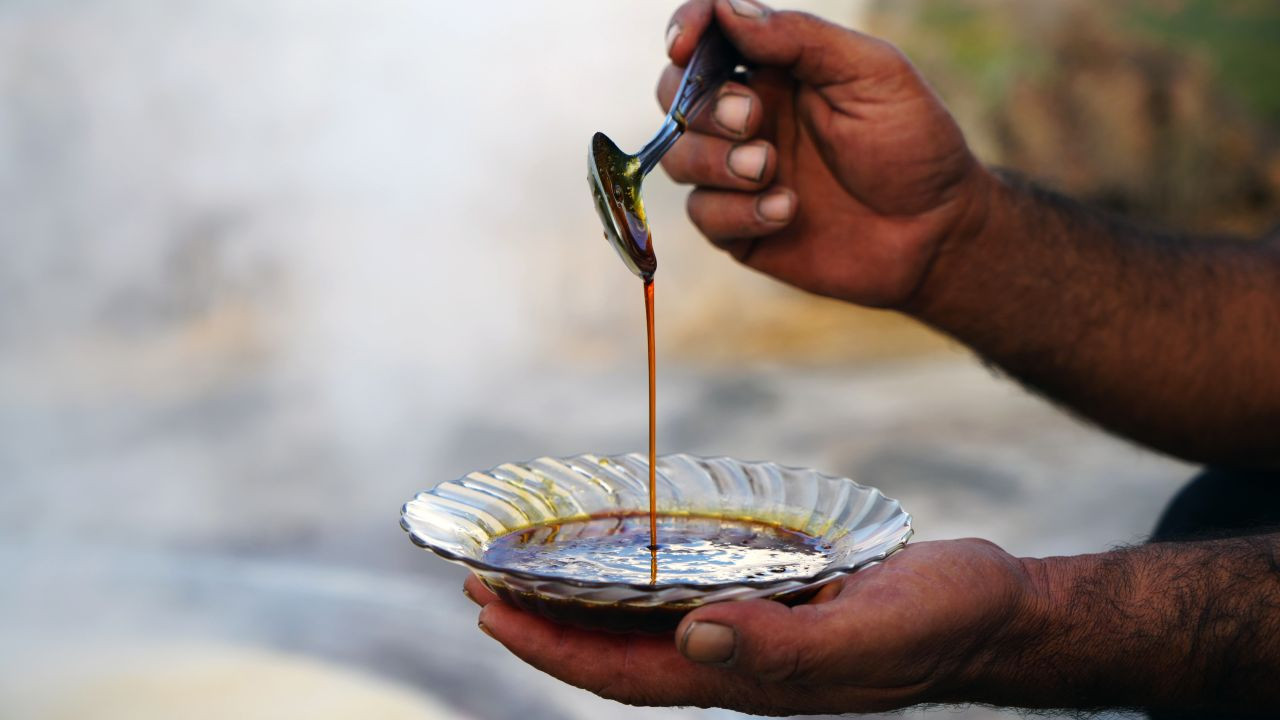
815	51
761	638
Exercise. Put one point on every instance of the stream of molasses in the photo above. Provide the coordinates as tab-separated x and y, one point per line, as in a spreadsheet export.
609	547
653	442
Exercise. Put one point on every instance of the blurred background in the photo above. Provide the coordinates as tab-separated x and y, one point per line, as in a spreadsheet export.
270	267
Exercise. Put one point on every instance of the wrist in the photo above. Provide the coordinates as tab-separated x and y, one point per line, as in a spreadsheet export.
1085	635
999	662
959	276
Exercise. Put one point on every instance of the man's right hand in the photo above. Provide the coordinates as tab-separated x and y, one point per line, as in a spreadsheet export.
838	171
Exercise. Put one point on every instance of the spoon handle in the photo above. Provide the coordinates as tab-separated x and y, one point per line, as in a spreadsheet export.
714	62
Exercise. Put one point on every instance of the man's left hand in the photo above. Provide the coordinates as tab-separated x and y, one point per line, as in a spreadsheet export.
913	629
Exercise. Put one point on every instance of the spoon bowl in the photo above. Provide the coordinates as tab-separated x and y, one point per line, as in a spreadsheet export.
615	177
615	180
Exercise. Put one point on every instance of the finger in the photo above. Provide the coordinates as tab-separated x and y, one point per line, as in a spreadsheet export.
712	162
735	113
476	591
686	26
728	216
765	640
816	51
635	669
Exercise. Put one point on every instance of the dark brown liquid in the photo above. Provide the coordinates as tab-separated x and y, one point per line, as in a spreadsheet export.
653	440
697	549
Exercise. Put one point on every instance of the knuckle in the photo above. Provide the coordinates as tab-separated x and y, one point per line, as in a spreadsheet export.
887	58
794	18
706	167
675	167
801	24
691	162
704	211
782	664
612	688
623	689
747	225
695	206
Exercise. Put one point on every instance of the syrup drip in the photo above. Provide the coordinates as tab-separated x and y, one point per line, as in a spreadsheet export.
653	440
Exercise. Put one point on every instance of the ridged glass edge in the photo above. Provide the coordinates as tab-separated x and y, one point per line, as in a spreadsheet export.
898	540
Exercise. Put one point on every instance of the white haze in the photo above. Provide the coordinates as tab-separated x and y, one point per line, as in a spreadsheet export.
269	267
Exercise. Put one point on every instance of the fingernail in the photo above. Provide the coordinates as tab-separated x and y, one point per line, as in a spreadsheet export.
747	161
732	112
673	33
469	596
775	207
746	8
484	629
706	642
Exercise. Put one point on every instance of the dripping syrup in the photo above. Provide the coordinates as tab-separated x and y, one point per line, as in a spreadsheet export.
653	441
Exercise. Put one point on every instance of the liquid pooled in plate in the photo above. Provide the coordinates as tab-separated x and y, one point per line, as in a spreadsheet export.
693	549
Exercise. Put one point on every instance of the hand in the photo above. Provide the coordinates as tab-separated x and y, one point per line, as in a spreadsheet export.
838	170
913	629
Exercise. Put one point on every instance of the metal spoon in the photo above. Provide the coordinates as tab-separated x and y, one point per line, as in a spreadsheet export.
615	176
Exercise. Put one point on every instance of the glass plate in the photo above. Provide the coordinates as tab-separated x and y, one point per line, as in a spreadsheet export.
854	524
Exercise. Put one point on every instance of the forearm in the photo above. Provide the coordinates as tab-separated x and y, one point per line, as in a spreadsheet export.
1172	341
1163	626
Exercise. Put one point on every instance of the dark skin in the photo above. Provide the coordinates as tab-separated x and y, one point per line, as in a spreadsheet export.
1176	626
868	193
1166	339
1171	341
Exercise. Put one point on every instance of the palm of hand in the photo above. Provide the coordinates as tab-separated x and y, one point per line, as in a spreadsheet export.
888	636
